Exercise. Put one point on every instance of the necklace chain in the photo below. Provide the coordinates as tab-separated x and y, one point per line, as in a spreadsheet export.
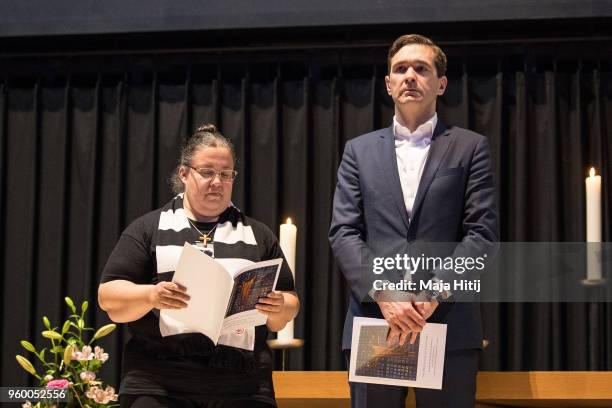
206	236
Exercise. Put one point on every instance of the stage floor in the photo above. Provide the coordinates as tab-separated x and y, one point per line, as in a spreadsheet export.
329	389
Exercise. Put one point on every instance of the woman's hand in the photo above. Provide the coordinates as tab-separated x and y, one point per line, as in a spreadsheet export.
126	301
280	307
168	295
273	303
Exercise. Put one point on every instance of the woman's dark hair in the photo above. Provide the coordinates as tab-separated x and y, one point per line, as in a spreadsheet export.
205	136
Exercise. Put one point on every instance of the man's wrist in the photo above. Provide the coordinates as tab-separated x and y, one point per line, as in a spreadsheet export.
438	296
376	294
392	296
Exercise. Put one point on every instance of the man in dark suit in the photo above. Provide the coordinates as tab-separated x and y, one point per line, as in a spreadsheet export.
416	181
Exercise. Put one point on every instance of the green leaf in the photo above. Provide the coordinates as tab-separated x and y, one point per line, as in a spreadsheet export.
41	355
66	326
52	335
72	338
51	364
28	346
70	304
84	306
103	331
46	322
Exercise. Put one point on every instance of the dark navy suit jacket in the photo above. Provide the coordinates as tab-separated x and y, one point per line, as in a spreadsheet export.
455	202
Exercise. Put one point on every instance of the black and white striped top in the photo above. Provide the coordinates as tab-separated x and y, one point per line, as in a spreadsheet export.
189	363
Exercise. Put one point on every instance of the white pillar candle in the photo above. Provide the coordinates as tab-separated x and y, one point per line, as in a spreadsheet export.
288	239
593	224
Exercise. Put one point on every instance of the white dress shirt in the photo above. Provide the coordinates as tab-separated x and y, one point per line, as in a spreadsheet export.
411	151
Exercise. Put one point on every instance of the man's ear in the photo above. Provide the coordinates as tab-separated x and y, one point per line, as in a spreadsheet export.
388	84
443	84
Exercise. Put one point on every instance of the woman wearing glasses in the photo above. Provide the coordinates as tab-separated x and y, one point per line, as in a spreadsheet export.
185	369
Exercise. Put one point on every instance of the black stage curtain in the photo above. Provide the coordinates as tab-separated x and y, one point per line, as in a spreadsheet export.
83	154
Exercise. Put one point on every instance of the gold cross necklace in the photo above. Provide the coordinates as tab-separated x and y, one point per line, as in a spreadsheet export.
205	238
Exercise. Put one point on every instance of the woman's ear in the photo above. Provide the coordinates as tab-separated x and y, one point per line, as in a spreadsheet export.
183	172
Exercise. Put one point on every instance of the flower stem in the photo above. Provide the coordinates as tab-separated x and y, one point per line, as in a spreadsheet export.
54	354
76	394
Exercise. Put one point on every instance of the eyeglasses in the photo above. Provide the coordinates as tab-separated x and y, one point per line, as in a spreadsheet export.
209	174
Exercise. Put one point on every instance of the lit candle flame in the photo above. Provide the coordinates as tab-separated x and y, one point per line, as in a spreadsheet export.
288	220
592	172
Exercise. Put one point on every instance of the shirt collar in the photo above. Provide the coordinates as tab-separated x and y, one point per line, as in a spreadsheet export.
423	133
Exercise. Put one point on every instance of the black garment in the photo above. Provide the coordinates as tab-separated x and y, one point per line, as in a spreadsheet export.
156	401
458	386
190	365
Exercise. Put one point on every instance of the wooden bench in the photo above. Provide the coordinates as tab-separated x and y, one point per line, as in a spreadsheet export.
327	389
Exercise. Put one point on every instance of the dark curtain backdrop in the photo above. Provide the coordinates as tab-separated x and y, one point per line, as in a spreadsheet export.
85	149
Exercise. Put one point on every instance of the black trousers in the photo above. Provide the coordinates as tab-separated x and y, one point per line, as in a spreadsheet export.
157	401
458	386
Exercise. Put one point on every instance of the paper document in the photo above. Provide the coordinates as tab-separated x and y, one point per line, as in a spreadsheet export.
221	301
418	365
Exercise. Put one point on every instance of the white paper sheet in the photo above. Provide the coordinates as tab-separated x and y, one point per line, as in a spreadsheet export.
252	317
209	285
373	361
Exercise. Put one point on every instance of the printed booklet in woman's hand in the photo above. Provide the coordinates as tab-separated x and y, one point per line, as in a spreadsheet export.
223	299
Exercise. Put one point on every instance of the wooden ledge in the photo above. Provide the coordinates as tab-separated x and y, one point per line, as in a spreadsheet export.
495	389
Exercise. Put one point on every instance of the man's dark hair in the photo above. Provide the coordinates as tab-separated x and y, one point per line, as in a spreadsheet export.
409	39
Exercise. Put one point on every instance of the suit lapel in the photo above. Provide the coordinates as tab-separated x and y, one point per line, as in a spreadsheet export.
438	148
386	150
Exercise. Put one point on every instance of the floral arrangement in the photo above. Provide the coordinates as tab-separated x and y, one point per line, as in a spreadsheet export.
71	363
